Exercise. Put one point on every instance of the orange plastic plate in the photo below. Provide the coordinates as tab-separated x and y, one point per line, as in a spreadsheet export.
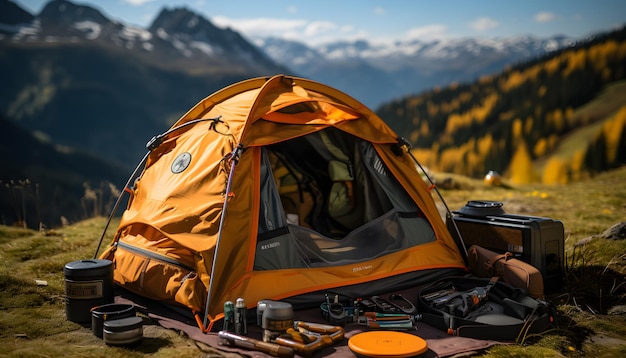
387	344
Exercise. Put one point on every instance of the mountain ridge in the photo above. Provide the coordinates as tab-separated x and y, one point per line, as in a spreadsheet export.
202	47
409	67
402	67
513	121
105	88
41	181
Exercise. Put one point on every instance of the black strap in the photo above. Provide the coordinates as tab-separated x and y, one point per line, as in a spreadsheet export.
533	315
272	234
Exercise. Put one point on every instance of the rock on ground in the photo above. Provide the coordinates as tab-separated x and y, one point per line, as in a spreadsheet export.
615	232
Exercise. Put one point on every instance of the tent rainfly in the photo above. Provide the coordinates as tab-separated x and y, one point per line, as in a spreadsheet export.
277	188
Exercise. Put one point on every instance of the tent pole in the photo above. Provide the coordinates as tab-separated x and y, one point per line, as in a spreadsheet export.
402	141
153	143
117	203
234	160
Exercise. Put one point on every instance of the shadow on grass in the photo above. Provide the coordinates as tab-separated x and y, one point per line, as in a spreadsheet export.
593	288
150	345
587	295
575	334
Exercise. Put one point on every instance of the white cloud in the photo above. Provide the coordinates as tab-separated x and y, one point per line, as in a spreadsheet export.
483	24
544	16
316	28
137	2
379	11
429	32
261	26
347	28
309	32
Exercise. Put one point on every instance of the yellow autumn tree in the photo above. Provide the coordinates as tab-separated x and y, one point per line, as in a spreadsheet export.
558	120
426	157
576	60
432	108
521	169
424	128
485	145
555	172
528	125
569	116
517	130
578	162
542	91
540	147
552	65
612	133
451	160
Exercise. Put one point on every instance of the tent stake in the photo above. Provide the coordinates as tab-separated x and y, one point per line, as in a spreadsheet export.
234	160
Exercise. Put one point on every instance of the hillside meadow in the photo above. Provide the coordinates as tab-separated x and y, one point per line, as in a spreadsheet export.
591	304
553	119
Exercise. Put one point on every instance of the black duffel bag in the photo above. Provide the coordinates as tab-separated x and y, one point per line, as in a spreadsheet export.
483	308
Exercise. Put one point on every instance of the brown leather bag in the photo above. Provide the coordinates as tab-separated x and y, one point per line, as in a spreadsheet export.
517	273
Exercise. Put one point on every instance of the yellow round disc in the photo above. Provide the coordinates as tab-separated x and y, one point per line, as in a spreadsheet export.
387	344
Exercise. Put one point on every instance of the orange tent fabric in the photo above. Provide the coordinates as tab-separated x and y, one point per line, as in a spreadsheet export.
165	246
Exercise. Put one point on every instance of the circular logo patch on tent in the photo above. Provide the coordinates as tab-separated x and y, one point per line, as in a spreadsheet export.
181	163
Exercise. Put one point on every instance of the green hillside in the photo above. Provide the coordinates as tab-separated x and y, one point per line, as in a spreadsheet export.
590	119
523	121
75	120
99	98
41	182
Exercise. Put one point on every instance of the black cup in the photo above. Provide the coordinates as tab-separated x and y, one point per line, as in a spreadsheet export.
109	312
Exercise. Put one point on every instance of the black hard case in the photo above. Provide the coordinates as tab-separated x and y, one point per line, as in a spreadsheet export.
538	241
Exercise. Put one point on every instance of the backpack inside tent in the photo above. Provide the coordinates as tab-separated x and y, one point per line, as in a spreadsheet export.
277	188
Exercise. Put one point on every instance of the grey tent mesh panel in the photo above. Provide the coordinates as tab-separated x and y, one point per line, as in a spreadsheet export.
387	220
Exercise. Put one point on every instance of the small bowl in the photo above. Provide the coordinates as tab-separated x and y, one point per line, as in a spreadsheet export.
112	311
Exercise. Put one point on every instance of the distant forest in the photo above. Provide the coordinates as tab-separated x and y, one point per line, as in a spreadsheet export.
514	122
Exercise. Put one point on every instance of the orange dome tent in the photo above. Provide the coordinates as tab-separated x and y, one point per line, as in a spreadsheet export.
277	188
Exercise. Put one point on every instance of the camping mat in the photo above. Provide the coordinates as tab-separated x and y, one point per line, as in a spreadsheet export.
440	344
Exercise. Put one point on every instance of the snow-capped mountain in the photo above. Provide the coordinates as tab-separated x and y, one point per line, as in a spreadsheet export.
177	36
61	21
78	79
409	67
81	80
373	73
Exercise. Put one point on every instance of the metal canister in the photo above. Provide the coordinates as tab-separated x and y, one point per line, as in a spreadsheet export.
123	332
229	316
260	307
241	325
109	312
277	318
88	283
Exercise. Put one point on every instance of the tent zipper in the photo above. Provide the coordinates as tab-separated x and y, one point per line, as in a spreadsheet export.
153	255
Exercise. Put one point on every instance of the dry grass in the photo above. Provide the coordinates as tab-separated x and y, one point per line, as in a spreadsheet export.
596	270
32	318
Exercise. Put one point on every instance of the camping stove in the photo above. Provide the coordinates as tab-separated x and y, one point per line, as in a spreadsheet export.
276	318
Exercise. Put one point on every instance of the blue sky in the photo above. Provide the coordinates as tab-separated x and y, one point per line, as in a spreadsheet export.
381	20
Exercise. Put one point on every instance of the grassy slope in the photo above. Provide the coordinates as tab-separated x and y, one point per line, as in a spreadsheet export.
596	271
590	118
32	318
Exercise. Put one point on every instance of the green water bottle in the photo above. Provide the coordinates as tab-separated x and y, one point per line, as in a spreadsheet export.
229	316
